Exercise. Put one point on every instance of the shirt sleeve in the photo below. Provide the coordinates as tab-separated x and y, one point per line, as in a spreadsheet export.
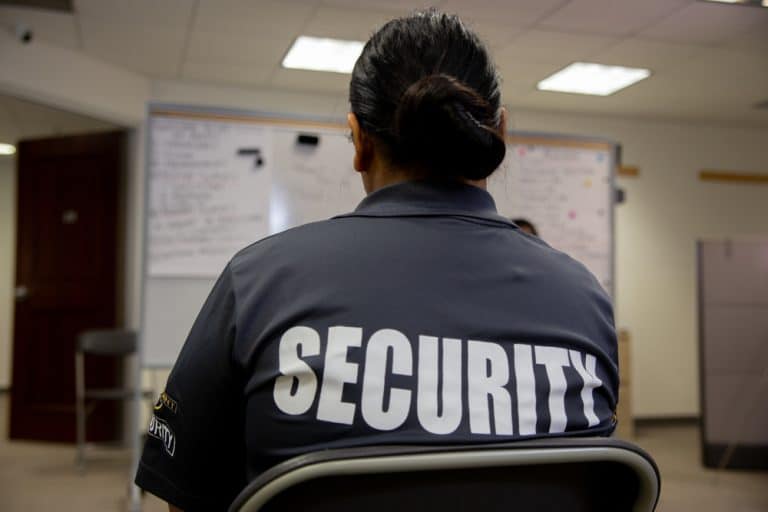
194	455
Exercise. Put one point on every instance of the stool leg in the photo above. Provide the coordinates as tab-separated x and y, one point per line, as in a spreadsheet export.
80	410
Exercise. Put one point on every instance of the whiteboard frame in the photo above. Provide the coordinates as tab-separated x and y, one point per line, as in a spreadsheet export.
271	118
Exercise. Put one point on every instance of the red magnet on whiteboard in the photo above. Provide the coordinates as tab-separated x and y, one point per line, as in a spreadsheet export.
572	214
521	151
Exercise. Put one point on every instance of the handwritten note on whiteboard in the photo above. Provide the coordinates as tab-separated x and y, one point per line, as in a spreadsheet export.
567	192
208	195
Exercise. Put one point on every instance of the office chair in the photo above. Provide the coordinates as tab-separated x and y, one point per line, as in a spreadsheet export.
558	475
112	342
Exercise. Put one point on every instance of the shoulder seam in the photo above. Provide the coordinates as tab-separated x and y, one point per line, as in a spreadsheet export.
275	235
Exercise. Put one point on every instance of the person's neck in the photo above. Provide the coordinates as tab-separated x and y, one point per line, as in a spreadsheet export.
379	180
379	177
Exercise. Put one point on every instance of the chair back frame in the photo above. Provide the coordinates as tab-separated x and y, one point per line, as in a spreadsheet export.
398	459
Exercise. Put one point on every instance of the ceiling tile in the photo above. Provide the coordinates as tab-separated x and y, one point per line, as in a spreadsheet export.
610	17
514	13
754	42
54	28
295	80
396	7
653	55
351	23
631	102
522	76
495	35
345	23
250	47
163	13
214	71
686	95
145	49
728	67
553	47
706	23
252	16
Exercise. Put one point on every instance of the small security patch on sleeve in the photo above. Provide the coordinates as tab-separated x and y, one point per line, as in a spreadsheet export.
167	402
160	430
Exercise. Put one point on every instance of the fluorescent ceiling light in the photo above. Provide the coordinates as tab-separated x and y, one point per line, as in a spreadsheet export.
590	78
755	3
7	149
323	54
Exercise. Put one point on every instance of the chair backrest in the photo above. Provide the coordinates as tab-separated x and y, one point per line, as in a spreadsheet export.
563	475
107	342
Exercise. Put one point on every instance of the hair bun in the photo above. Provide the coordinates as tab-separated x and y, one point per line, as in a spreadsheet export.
448	128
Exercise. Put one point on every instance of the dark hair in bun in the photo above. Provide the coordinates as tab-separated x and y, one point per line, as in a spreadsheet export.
426	87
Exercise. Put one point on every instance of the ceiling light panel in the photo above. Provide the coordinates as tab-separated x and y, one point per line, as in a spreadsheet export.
593	79
7	149
754	3
323	54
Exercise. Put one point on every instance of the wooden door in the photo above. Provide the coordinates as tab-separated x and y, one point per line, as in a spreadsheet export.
66	281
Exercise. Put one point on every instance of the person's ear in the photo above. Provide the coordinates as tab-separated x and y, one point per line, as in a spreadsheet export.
363	144
502	128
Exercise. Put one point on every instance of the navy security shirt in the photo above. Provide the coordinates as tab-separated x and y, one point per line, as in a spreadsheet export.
422	317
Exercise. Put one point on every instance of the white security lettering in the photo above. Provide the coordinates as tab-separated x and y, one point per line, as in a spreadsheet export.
295	389
372	404
526	390
553	359
430	376
487	374
589	377
432	394
160	430
338	371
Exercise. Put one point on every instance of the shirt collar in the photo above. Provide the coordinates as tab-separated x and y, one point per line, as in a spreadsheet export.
427	198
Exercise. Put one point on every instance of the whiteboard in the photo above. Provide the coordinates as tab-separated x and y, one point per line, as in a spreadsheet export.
565	188
312	182
206	199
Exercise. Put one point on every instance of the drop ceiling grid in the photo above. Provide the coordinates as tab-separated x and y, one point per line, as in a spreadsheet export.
242	42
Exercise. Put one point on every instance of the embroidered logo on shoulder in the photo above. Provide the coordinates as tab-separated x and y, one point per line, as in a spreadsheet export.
167	402
160	430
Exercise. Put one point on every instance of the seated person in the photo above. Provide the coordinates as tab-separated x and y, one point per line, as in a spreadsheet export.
421	317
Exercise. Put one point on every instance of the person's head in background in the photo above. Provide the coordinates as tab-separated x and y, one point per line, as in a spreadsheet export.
527	226
425	104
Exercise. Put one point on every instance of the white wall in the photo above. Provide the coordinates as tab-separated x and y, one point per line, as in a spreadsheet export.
7	264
